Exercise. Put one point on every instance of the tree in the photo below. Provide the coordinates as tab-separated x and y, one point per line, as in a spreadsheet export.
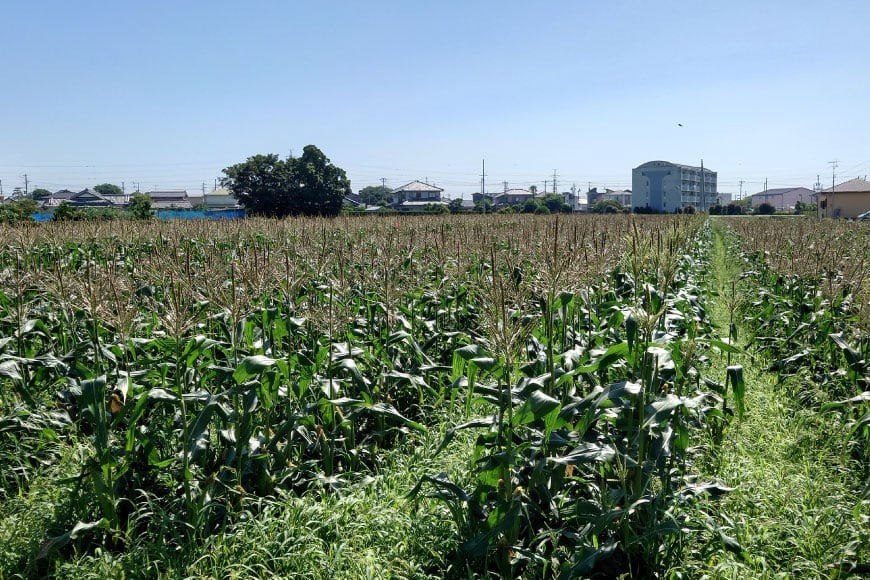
269	186
733	209
436	208
607	206
108	189
455	205
40	193
765	209
555	203
483	206
18	211
66	212
140	206
805	207
376	195
531	205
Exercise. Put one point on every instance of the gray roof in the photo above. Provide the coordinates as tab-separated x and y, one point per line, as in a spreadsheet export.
658	162
171	203
782	191
856	185
217	199
63	194
168	194
417	186
421	203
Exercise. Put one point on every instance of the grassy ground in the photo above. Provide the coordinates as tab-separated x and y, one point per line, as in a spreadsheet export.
366	530
796	510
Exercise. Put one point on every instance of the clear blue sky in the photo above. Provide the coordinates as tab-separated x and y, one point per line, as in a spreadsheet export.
168	93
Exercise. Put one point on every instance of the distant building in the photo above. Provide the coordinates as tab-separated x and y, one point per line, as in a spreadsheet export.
84	198
783	198
845	200
58	197
666	186
171	199
416	195
575	200
622	196
511	197
220	198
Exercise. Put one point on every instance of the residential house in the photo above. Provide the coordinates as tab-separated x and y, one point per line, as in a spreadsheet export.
170	199
416	195
220	198
783	198
845	200
56	198
511	197
84	198
575	200
665	186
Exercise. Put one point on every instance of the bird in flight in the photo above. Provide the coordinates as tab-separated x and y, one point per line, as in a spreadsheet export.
679	124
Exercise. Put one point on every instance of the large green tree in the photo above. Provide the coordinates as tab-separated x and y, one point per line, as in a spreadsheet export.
140	206
40	193
270	186
376	195
108	189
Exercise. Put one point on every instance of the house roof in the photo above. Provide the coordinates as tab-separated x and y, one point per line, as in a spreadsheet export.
220	199
781	191
168	194
661	163
63	194
514	192
856	185
90	193
421	203
417	186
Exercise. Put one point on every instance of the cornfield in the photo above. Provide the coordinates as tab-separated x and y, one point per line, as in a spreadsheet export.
200	368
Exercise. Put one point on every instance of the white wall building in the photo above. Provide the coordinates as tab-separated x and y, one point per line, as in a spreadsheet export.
666	186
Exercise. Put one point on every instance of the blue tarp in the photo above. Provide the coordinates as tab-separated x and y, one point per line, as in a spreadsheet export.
175	214
193	214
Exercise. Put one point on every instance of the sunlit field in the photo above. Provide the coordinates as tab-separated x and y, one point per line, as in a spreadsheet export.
452	396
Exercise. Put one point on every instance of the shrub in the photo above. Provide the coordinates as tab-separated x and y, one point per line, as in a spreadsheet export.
765	209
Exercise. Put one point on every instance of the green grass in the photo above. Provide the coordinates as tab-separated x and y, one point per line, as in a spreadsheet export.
365	530
796	510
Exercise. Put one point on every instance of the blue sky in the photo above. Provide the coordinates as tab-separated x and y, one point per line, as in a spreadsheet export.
167	94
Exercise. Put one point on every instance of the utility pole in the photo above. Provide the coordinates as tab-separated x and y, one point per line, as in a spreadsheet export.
25	185
740	195
833	187
554	181
505	186
203	188
483	184
703	192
